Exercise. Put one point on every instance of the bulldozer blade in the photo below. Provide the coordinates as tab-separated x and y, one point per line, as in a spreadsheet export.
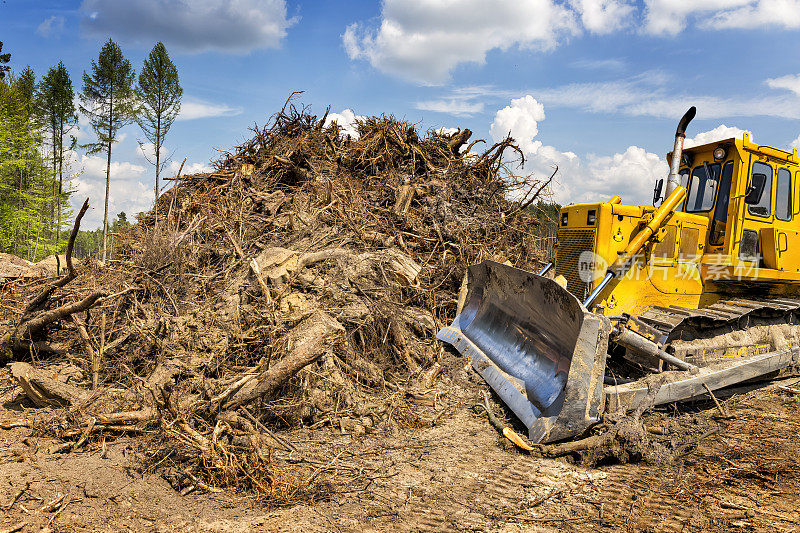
536	345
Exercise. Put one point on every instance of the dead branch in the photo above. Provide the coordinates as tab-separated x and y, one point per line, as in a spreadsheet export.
305	344
39	301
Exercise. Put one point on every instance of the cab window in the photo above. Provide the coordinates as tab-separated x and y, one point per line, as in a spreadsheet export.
702	188
721	209
683	175
783	195
764	207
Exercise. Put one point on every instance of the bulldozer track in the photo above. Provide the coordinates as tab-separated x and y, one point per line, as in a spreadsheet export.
630	497
481	499
724	316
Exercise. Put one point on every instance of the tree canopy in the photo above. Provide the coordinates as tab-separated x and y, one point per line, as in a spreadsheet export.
109	101
159	94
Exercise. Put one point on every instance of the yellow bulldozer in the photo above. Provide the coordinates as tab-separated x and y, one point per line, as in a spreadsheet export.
704	289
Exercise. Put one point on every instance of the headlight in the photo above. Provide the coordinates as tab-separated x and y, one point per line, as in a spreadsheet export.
590	217
564	219
719	153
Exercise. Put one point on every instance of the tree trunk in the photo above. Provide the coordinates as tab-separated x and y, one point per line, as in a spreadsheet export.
60	180
108	172
158	163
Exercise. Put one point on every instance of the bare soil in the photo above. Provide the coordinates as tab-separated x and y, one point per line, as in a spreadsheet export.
458	474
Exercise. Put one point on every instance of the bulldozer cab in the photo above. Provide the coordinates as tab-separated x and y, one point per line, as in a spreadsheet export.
749	195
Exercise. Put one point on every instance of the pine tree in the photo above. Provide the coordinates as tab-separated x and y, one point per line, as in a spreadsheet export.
109	100
56	101
4	59
160	97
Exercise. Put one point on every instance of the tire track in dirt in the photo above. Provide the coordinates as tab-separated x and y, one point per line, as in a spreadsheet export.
632	495
483	498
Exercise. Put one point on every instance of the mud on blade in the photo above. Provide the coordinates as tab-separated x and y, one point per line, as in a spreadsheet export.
537	347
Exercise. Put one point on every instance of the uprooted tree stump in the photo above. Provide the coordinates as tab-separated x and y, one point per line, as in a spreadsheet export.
625	441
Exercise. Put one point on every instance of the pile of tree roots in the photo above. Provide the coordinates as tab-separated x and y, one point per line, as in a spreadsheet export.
301	283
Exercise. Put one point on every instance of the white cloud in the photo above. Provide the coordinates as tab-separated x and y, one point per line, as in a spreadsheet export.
52	26
131	186
194	108
790	82
131	189
447	131
670	16
346	121
604	16
795	144
190	26
763	13
424	40
521	120
458	107
631	172
651	94
191	168
719	133
147	151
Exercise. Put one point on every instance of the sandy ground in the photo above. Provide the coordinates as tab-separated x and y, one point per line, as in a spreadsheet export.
458	475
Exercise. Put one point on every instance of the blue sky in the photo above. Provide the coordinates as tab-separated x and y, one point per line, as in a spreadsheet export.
594	87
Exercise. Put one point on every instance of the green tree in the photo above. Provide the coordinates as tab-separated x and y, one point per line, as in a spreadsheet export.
26	84
25	180
56	101
109	101
160	98
4	59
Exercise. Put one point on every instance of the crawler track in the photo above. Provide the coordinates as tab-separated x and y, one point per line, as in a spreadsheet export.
678	326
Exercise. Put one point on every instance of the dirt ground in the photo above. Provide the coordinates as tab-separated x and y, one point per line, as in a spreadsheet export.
457	475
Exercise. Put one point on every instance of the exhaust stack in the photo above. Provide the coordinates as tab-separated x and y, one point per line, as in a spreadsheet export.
673	181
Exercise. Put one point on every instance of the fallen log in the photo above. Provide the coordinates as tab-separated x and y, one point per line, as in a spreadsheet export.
306	343
43	389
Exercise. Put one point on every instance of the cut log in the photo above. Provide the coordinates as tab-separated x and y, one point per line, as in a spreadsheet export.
405	193
43	389
306	343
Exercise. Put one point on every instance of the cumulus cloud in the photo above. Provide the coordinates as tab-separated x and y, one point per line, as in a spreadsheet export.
195	108
346	121
521	121
719	133
131	189
594	178
52	26
604	16
424	40
197	26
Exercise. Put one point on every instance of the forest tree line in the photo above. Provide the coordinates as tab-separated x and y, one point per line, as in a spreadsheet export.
38	126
